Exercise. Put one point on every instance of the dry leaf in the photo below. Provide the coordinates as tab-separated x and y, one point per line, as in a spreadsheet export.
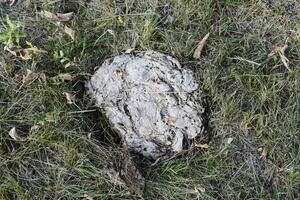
49	15
65	77
69	32
199	189
63	17
24	54
42	77
204	146
13	134
69	97
198	51
89	136
264	154
280	49
59	17
283	58
31	76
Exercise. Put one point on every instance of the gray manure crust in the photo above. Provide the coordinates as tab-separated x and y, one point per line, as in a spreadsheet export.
150	100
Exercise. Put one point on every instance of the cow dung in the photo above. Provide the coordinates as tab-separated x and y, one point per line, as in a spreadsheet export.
152	102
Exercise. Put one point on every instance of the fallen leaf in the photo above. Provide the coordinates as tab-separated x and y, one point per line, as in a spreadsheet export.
69	32
63	17
283	58
204	146
24	54
49	15
199	189
69	97
31	76
58	17
65	77
198	51
13	134
280	50
89	136
42	77
264	154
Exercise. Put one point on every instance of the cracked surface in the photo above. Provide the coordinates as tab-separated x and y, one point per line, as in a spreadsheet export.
150	101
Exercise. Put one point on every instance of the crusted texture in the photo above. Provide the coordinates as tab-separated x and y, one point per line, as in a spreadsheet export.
150	101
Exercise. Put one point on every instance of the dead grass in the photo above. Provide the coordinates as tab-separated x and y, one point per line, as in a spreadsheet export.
254	100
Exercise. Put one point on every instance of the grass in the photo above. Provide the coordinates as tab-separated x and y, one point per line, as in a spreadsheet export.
254	148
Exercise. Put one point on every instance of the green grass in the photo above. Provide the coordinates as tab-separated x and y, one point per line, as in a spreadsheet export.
254	99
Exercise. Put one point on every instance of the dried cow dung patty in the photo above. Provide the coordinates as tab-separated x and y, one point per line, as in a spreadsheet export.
150	100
